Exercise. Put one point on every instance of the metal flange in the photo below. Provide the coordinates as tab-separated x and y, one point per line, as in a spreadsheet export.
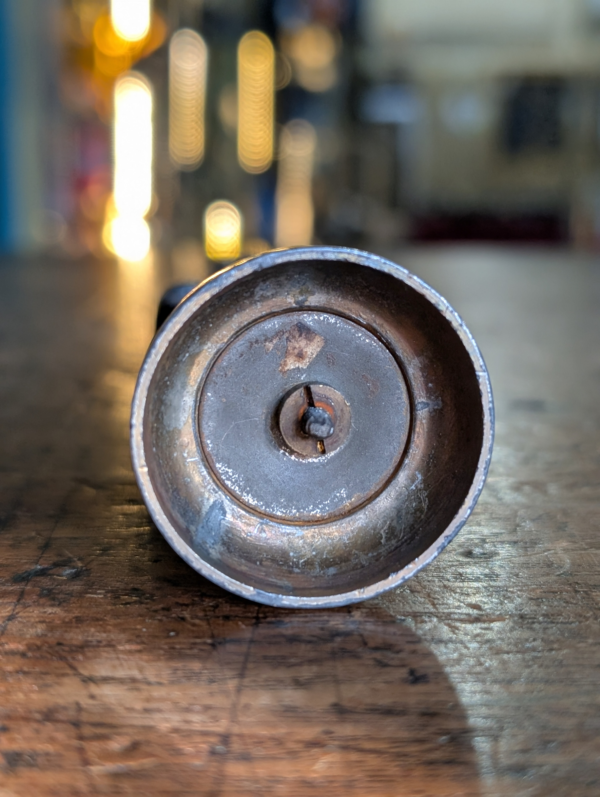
311	426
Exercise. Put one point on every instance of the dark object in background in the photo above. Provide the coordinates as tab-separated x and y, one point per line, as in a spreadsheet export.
542	228
226	446
533	115
170	299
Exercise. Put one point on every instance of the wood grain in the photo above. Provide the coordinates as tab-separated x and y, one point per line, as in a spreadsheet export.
124	673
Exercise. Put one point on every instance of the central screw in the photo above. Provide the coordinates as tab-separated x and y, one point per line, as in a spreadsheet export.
313	420
316	422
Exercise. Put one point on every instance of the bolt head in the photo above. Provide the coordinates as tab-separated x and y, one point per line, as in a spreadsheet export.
317	422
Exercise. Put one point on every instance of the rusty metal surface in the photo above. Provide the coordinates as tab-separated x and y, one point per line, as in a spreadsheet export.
239	418
286	529
314	421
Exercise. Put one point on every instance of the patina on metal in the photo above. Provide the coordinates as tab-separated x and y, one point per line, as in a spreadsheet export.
311	426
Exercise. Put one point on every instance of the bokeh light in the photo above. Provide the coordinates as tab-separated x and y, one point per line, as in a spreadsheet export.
131	18
256	102
133	145
128	231
188	61
294	203
107	40
222	232
312	50
128	237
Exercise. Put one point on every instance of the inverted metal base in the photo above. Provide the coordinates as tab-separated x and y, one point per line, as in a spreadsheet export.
311	426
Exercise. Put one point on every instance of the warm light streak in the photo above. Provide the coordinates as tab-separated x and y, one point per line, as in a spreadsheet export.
127	230
107	40
256	102
188	59
112	54
133	146
222	231
295	212
131	18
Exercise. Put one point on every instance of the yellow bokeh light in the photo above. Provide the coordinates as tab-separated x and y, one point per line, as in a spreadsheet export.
222	232
131	18
188	60
114	55
126	232
256	102
313	50
132	145
128	237
106	39
294	203
313	46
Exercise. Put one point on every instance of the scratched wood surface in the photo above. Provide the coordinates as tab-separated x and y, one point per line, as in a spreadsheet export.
122	672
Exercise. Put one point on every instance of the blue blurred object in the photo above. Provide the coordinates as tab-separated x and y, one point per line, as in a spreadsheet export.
24	121
7	87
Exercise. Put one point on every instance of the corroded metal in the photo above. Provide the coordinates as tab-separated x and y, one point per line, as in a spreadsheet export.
314	420
312	426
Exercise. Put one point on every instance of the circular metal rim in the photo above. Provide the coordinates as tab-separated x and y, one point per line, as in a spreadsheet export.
204	293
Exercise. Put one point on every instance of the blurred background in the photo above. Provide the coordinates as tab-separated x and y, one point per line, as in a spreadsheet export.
198	131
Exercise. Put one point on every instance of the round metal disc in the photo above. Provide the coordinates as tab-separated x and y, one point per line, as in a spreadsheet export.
238	416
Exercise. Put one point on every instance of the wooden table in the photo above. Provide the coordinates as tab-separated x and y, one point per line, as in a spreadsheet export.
124	673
